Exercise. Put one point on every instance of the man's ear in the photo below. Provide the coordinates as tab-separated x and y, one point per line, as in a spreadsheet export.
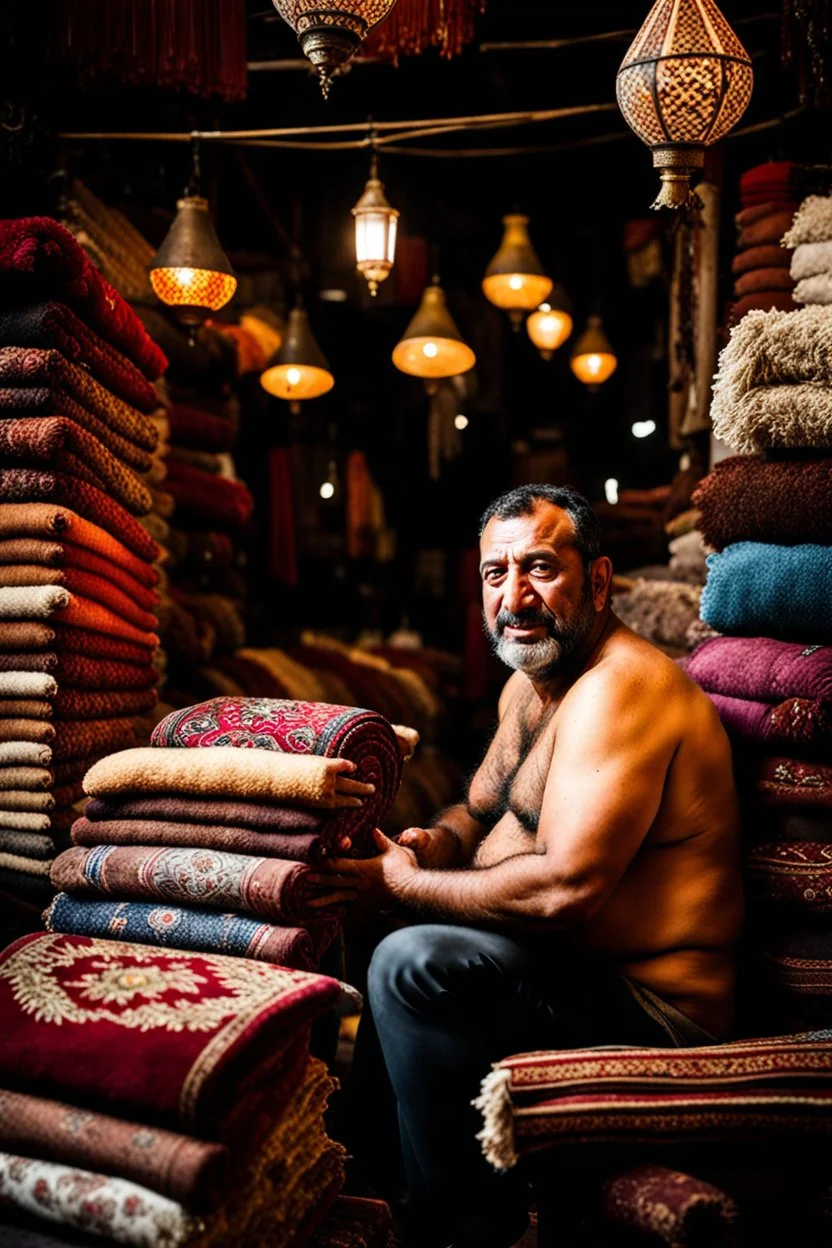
601	578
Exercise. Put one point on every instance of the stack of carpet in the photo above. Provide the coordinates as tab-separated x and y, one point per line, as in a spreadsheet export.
150	1096
209	839
811	237
768	515
77	581
768	198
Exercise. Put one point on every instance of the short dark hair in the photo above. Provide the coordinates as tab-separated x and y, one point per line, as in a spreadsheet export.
523	500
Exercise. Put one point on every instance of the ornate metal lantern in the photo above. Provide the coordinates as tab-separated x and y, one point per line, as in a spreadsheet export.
331	31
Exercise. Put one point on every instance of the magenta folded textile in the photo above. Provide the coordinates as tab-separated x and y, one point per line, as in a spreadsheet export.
175	809
298	847
800	724
762	668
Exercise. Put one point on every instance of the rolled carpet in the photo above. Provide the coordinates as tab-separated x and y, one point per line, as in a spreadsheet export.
113	1208
32	551
37	254
41	602
798	965
766	256
810	259
780	591
29	485
224	771
27	685
38	730
65	447
24	865
87	584
26	402
191	426
100	674
300	729
102	704
356	1222
24	754
179	1166
786	501
37	602
797	876
297	847
269	887
210	500
768	229
185	927
761	301
812	222
668	1207
815	290
53	325
26	799
261	816
24	820
82	738
792	783
756	212
27	368
762	668
26	844
49	522
757	280
32	778
27	633
802	725
161	1034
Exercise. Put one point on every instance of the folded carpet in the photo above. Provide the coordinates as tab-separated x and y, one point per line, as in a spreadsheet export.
38	255
37	602
157	1033
73	671
190	426
812	222
29	485
762	668
225	771
33	778
26	799
37	730
803	725
47	522
26	866
103	704
756	212
29	550
786	501
40	602
185	1169
24	708
766	256
761	301
661	611
260	816
668	1207
29	637
731	1091
815	290
83	738
185	927
90	586
790	782
25	844
300	729
798	964
270	887
30	368
810	259
23	753
27	685
782	591
25	820
297	846
796	875
34	890
113	1208
754	281
206	498
53	327
65	447
356	1222
769	229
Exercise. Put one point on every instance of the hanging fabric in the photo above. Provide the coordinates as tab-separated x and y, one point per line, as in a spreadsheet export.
415	25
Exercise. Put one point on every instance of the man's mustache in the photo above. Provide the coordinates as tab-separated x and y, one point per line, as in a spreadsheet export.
540	616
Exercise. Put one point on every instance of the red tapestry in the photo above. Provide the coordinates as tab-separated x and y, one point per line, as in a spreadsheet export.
155	1034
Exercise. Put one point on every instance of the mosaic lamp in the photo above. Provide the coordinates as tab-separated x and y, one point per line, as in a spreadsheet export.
298	370
551	324
331	31
684	83
190	272
432	346
593	359
514	280
376	224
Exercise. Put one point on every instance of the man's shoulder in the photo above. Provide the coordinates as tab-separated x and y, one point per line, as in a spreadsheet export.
630	671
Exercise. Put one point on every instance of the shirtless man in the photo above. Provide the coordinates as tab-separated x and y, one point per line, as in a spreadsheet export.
587	893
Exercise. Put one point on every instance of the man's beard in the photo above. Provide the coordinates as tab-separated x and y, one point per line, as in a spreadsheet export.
552	653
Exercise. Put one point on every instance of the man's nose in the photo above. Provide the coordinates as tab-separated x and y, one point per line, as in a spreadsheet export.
517	593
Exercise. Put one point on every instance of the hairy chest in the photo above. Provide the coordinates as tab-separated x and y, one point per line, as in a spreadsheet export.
512	778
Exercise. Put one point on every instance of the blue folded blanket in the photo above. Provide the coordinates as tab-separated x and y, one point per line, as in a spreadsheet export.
758	589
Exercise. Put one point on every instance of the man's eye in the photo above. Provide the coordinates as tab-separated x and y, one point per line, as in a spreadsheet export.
493	574
541	568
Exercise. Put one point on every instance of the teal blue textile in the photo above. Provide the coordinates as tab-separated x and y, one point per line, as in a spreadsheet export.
758	589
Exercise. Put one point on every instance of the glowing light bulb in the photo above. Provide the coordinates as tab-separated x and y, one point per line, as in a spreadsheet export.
515	282
593	364
611	489
431	350
327	490
461	422
293	376
643	428
186	276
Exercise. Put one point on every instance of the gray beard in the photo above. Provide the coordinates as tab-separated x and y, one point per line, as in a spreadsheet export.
550	655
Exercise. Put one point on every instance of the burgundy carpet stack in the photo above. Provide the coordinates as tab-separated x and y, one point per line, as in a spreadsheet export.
77	578
769	196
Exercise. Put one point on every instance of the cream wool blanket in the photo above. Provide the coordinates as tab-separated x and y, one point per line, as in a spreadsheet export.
812	222
811	258
24	753
223	771
27	685
814	290
774	384
32	602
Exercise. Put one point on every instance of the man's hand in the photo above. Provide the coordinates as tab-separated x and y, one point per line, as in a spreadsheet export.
435	848
375	881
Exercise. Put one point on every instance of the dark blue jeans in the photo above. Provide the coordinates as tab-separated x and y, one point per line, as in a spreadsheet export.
445	1002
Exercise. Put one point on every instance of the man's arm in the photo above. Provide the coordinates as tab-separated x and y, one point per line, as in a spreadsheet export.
615	741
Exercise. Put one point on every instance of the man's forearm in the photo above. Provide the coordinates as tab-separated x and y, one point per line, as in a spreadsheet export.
466	831
519	890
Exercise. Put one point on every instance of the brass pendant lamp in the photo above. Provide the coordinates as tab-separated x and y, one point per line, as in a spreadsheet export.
376	225
684	83
331	31
190	272
514	280
593	360
432	346
298	370
551	324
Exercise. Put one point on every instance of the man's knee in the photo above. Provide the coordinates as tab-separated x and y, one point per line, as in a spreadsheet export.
417	963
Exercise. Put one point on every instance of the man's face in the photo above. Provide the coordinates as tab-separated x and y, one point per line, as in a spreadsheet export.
537	597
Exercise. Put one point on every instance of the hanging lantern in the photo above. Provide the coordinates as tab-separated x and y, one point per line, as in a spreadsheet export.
593	359
551	324
684	83
190	272
331	31
375	231
432	346
514	280
298	370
